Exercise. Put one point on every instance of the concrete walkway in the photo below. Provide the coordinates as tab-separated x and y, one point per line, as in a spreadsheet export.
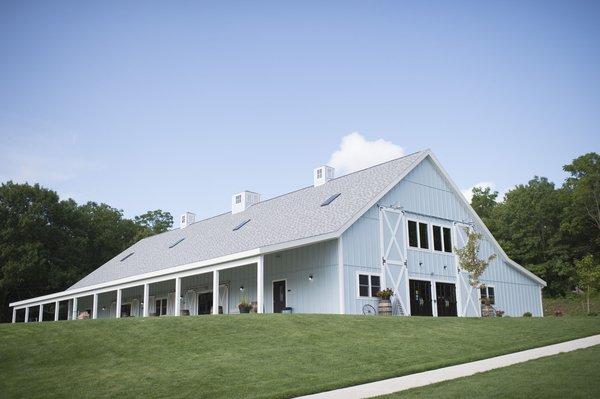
392	385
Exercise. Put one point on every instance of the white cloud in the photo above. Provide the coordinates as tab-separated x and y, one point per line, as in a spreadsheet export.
356	153
468	192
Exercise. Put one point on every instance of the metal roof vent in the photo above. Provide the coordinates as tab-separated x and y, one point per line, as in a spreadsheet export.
244	200
187	219
323	174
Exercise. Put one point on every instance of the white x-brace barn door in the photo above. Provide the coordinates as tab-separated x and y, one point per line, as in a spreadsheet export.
466	296
394	269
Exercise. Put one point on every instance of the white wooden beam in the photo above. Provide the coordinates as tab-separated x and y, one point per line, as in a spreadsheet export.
95	307
146	300
260	284
69	309
56	310
215	306
41	313
341	293
75	314
178	296
14	317
26	314
118	307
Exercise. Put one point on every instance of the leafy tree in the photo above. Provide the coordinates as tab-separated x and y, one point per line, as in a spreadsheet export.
588	276
484	203
153	222
468	257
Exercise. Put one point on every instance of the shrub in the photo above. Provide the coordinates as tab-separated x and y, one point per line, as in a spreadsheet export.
558	312
527	314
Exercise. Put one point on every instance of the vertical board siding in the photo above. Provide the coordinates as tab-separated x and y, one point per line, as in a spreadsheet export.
295	266
425	192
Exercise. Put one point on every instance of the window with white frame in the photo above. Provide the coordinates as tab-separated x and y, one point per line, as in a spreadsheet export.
487	292
369	285
161	307
238	199
319	173
418	236
442	239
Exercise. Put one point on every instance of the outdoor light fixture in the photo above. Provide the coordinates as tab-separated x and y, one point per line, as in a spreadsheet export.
241	288
310	277
103	308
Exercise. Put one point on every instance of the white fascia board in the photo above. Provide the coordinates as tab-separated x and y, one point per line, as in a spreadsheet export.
475	216
223	262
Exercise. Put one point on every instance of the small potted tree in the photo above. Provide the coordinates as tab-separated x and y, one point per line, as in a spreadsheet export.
385	304
244	306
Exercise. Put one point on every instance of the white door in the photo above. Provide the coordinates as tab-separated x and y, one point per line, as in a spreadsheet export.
394	268
467	301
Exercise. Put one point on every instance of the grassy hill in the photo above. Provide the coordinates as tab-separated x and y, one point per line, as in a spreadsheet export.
572	305
251	355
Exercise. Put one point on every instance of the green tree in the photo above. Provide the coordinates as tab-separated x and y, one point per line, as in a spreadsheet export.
468	257
153	222
588	276
484	203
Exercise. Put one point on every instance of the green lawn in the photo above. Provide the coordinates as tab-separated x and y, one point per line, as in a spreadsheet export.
251	355
568	375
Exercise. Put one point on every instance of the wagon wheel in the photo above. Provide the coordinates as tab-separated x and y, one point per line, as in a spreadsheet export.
369	310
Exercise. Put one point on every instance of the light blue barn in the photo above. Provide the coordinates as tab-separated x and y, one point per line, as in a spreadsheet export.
327	248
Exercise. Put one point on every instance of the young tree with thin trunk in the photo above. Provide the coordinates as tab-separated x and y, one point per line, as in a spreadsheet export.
588	275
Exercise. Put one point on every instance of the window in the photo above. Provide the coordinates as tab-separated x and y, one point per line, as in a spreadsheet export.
242	223
238	199
319	173
368	285
161	307
447	240
437	238
442	239
488	292
413	238
330	199
418	236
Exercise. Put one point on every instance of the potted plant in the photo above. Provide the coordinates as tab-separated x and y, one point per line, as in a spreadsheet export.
385	304
244	306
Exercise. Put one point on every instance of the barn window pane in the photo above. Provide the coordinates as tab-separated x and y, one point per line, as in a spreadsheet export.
413	240
447	240
491	295
437	238
363	285
423	237
375	285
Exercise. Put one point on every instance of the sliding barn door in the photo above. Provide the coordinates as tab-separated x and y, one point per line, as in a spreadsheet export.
393	258
466	296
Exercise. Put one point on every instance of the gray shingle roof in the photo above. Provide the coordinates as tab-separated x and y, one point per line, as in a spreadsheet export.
282	219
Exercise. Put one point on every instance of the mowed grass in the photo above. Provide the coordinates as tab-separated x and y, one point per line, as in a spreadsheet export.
567	375
266	356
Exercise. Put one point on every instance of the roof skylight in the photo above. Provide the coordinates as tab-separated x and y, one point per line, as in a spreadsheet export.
239	226
176	242
127	256
330	199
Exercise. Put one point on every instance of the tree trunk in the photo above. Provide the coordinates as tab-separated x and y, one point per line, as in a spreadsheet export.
588	300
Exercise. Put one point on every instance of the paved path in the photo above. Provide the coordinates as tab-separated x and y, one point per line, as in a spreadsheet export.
392	385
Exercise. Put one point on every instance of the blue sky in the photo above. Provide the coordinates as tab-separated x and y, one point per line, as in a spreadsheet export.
178	105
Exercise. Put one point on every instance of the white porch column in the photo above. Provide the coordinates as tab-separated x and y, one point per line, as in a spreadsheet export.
14	318
146	300
69	309
26	314
74	316
41	313
260	283
215	292
178	296
118	307
95	307
56	310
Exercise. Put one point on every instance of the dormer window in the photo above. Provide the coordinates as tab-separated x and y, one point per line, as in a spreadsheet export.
238	199
319	173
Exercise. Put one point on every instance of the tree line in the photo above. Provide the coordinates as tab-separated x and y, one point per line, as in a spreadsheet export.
552	231
48	244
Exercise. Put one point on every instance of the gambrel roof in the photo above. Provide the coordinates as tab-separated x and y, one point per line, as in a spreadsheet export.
278	221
